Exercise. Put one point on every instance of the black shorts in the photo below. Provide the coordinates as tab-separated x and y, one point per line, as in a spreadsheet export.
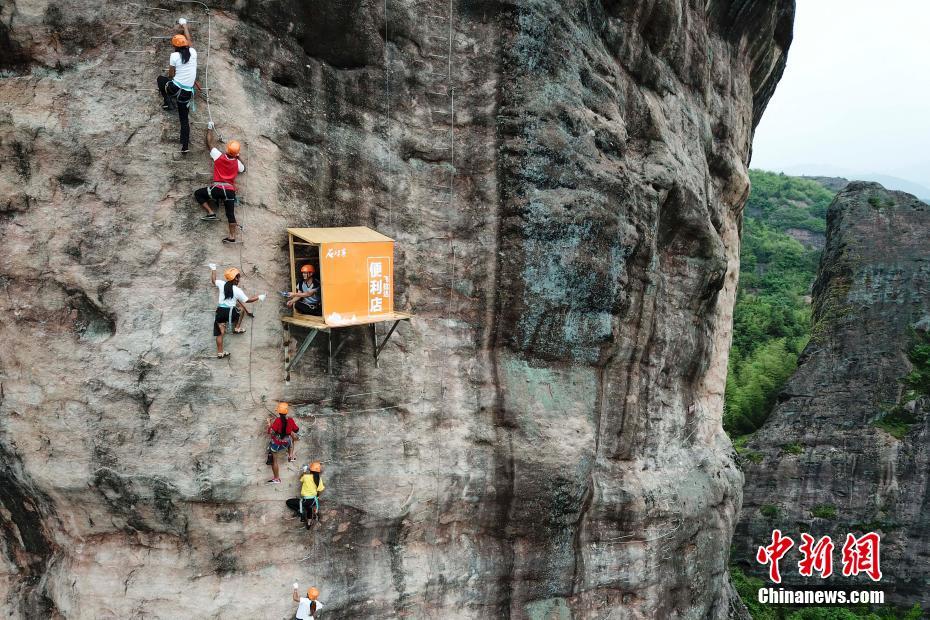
304	308
304	506
222	318
219	194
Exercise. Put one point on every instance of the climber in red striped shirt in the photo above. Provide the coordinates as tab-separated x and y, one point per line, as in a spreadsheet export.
226	167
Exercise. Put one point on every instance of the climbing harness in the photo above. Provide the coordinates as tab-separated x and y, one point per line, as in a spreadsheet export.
190	101
229	318
214	186
316	505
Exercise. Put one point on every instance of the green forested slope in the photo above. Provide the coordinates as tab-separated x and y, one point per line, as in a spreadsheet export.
771	321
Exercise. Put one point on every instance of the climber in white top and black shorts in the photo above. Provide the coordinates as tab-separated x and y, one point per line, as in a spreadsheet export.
231	298
179	84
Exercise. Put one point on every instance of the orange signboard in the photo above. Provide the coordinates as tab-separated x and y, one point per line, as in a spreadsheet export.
357	279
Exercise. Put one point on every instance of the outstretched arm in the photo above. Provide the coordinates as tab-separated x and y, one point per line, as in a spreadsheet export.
212	274
241	305
187	34
211	139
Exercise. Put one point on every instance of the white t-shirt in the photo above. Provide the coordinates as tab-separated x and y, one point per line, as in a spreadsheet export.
184	73
238	294
303	609
216	154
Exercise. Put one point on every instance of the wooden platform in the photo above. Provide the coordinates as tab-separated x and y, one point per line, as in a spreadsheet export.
316	325
316	322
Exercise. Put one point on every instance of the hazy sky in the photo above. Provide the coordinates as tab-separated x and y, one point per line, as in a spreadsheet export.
856	92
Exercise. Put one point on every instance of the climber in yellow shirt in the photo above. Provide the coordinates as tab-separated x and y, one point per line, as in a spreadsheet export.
307	505
311	484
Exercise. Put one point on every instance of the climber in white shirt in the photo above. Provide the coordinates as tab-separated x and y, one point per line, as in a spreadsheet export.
307	606
230	299
182	76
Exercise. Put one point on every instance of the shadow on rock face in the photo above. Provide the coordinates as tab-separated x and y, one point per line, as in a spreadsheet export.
24	538
74	35
12	57
92	322
341	33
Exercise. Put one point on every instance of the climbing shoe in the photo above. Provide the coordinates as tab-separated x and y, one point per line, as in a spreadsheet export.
274	481
209	218
228	240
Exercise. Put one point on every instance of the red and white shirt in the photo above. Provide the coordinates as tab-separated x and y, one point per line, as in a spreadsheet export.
225	169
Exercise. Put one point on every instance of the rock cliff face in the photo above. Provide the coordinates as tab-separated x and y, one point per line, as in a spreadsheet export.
846	448
543	440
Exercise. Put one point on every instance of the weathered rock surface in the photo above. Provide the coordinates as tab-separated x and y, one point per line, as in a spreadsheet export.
820	449
543	440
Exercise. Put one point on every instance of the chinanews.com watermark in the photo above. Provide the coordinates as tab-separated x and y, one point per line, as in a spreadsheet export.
771	596
860	555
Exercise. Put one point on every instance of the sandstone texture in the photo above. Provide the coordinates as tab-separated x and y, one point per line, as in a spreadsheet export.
823	463
543	440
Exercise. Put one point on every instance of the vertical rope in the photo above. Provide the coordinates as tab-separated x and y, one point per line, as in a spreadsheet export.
450	308
206	62
387	114
240	194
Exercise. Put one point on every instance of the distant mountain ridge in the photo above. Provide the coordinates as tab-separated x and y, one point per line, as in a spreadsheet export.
834	184
816	171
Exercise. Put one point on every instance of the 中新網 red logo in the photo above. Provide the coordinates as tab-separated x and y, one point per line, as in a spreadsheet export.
860	555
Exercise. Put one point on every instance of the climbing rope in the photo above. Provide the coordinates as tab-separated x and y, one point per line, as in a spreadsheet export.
240	194
206	62
450	308
387	112
240	199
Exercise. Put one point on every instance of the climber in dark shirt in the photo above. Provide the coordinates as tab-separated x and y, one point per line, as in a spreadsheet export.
307	298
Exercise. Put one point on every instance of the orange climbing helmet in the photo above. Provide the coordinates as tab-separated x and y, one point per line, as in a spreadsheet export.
231	274
308	269
232	149
179	40
282	409
313	594
316	468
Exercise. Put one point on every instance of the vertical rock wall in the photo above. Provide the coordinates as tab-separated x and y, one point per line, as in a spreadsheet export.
544	438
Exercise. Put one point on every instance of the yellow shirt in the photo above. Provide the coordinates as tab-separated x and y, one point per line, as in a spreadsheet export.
308	488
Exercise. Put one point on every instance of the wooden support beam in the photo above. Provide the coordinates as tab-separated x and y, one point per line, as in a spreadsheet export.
386	338
290	241
374	343
303	348
342	341
287	354
330	367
